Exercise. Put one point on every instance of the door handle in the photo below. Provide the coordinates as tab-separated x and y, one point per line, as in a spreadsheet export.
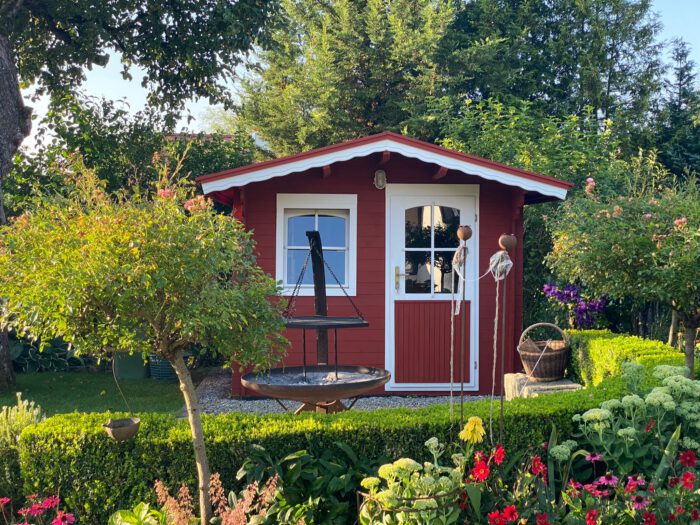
397	278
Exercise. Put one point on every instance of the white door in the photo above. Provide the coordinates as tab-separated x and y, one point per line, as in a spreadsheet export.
421	238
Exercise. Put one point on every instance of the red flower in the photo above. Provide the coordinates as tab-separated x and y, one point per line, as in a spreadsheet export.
510	513
694	515
496	518
463	500
479	456
538	467
481	471
688	458
671	517
4	501
649	426
591	517
542	519
688	480
649	518
679	510
499	454
673	481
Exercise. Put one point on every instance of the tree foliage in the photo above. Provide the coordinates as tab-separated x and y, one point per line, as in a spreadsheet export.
342	69
642	243
140	275
120	148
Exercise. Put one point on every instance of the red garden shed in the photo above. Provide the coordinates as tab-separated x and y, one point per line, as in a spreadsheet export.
387	207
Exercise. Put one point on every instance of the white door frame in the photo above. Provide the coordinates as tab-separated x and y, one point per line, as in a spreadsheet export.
432	191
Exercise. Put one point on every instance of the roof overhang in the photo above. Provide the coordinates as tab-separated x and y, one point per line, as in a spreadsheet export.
544	187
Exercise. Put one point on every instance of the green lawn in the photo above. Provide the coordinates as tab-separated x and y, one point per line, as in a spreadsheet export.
59	392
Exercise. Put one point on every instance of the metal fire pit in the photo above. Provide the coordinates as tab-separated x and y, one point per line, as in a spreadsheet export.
319	387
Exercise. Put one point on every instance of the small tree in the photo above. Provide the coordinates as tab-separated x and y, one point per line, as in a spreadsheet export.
644	245
117	274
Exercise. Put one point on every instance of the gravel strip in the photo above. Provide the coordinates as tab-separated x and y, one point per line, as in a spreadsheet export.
214	398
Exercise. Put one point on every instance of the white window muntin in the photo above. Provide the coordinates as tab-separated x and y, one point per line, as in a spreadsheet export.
317	204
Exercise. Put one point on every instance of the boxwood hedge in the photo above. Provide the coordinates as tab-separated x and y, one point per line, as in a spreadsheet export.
71	455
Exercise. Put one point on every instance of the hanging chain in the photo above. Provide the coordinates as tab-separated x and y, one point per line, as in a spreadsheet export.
357	310
295	293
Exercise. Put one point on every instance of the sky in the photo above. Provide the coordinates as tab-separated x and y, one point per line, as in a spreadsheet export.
680	18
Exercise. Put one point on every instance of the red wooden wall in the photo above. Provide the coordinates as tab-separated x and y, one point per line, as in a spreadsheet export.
500	212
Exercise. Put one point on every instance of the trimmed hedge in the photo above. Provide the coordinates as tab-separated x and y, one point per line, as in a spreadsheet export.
71	455
599	354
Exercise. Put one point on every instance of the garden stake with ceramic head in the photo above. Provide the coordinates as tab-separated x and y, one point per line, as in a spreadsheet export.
464	233
508	243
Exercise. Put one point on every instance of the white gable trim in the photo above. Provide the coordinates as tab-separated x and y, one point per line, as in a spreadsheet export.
392	146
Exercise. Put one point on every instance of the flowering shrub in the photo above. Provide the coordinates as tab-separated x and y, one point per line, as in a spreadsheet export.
582	313
408	492
37	511
632	434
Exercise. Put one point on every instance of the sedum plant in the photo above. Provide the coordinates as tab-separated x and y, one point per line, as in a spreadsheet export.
140	274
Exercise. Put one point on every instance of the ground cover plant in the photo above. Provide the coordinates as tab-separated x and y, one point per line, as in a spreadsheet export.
64	392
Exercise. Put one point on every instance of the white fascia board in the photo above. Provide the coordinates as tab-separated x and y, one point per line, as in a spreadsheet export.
364	150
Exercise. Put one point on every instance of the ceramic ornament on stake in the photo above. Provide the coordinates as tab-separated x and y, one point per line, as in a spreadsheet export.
459	266
499	266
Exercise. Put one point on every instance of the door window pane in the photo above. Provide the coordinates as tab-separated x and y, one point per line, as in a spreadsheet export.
297	226
417	270
446	224
442	271
418	222
332	230
295	262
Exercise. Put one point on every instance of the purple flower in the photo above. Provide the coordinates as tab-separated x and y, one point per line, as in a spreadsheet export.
593	457
639	502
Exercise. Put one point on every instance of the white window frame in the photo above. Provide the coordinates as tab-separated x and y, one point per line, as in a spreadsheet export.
316	202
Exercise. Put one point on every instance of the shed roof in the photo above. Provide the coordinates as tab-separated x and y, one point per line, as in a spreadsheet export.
539	187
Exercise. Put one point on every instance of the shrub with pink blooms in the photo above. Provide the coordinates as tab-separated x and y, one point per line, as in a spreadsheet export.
36	511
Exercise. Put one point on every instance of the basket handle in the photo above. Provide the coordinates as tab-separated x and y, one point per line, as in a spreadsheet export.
547	325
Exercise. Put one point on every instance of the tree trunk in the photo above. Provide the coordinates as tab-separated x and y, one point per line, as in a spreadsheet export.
673	329
200	452
691	330
15	124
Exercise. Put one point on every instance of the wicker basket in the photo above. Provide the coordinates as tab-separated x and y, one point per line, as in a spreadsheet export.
544	360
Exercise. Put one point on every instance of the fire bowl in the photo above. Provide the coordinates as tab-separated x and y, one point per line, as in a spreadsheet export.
320	384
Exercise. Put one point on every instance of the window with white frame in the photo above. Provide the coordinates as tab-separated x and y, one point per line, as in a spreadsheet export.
334	216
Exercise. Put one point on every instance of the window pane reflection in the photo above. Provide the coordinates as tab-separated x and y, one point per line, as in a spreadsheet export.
332	230
297	227
442	271
418	221
295	262
417	270
446	224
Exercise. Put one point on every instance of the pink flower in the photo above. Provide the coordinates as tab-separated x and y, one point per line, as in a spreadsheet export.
166	193
609	479
51	502
680	222
4	501
593	457
63	518
591	517
639	502
36	510
648	216
590	180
